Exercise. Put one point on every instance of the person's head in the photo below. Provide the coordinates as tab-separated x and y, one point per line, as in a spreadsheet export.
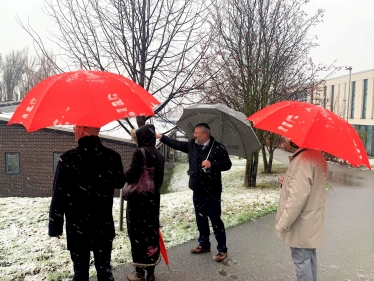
145	136
82	131
201	133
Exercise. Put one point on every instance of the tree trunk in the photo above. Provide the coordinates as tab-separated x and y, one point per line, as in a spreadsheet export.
141	120
265	160
269	167
251	170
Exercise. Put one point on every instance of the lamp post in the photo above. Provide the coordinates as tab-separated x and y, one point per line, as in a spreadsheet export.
349	88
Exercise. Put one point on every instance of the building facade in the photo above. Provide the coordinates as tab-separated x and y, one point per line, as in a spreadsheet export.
28	160
8	106
352	97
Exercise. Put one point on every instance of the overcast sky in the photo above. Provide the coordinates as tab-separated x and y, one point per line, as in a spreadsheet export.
347	34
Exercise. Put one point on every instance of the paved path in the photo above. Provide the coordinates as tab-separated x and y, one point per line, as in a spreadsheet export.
255	253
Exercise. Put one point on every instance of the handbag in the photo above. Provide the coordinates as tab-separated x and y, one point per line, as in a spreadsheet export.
145	184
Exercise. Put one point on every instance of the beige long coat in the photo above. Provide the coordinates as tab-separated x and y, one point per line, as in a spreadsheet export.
300	214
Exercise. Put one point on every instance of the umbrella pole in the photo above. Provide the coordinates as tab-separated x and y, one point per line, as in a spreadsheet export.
120	211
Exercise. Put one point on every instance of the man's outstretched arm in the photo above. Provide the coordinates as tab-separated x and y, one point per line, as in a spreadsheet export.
178	145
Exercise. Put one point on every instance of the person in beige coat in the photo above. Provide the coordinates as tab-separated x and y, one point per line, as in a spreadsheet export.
300	214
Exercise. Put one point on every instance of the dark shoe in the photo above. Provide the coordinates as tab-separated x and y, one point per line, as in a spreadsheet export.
135	276
151	277
200	250
220	256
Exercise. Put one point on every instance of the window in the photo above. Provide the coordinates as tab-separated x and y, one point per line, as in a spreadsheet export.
366	134
302	96
324	96
12	163
56	157
364	99
332	99
353	95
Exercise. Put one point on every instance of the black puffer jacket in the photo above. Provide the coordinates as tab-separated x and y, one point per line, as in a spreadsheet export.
207	183
83	191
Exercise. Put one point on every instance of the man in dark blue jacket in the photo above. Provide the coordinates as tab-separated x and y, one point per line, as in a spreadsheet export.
83	192
207	159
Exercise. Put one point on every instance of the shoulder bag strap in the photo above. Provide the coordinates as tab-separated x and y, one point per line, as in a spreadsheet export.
144	158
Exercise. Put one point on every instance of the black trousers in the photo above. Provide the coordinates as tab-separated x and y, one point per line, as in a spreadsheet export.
209	206
81	263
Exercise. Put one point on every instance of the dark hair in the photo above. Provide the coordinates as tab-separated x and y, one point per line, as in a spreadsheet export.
205	127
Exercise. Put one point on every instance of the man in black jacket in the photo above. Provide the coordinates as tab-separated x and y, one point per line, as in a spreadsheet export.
83	191
207	159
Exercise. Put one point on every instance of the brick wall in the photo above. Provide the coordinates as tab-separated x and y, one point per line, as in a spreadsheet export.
36	174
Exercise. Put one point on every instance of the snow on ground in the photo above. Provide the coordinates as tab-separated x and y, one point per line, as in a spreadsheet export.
28	253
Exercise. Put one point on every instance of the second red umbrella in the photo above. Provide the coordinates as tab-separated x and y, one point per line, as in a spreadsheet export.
312	126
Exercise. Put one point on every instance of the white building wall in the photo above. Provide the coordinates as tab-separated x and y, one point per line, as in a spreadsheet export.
341	102
341	87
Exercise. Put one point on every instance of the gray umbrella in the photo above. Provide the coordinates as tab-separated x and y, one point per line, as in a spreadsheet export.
228	126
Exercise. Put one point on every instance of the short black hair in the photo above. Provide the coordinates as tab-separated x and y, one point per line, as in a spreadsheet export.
205	127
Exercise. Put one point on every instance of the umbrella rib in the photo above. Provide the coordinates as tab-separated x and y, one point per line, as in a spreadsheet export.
236	127
137	94
245	150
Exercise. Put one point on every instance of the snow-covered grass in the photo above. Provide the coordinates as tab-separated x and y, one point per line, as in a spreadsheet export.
27	253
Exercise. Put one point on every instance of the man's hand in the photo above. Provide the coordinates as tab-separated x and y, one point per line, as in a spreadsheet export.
206	164
158	136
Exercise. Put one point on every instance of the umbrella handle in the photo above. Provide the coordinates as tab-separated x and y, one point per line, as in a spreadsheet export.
210	150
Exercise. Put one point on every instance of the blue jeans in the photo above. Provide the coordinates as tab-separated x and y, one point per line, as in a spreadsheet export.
81	263
209	206
305	261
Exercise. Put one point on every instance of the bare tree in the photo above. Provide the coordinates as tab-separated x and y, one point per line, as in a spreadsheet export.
261	52
12	71
37	69
20	72
1	82
156	43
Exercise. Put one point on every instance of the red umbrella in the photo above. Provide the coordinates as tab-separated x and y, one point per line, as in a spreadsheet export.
163	249
312	126
83	97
